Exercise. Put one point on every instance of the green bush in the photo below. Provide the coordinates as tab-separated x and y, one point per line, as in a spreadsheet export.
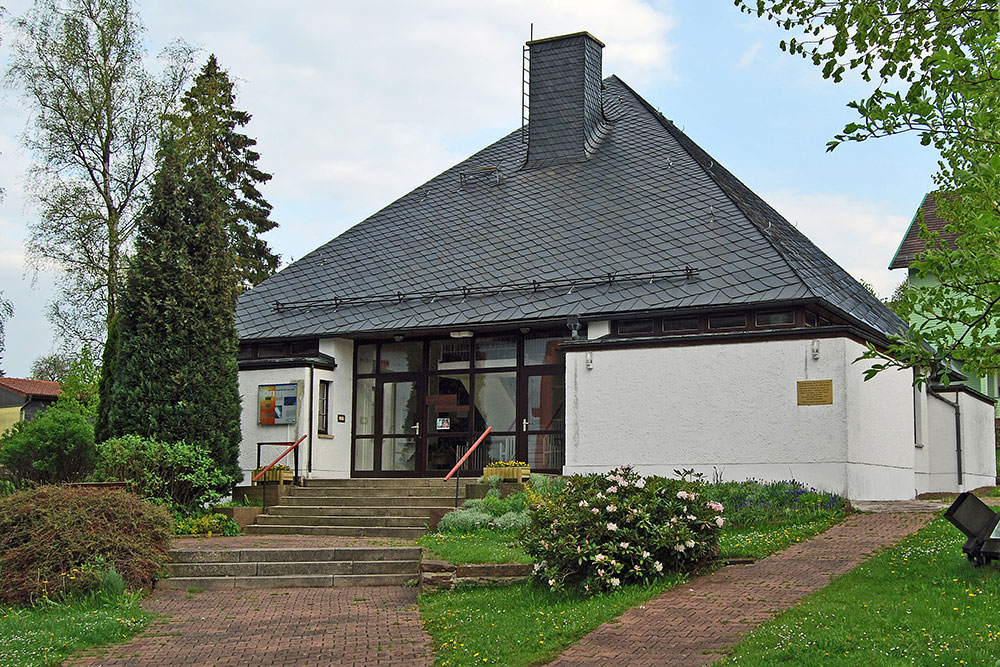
605	531
179	474
207	524
56	446
463	521
56	540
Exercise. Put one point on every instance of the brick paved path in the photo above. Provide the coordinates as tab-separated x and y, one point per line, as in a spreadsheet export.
305	626
694	623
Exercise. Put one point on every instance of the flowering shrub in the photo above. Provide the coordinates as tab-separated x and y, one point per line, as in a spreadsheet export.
276	466
604	531
506	464
206	524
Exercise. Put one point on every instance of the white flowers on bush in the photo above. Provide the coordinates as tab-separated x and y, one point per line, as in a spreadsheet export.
653	525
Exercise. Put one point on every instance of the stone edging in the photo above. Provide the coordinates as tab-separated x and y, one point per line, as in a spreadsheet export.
438	574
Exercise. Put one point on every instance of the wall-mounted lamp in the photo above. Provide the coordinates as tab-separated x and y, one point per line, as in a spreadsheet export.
815	348
588	360
573	322
525	330
398	338
460	334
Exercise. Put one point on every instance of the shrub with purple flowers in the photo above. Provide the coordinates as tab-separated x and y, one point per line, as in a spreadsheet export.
604	531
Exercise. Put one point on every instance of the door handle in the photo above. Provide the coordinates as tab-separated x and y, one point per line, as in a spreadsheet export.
524	424
416	428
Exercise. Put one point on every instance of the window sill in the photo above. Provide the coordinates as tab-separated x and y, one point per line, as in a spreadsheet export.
324	436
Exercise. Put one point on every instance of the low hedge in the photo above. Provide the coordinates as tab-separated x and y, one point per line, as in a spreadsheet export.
56	540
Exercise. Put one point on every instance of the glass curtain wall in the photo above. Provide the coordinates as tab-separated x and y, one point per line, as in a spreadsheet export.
420	404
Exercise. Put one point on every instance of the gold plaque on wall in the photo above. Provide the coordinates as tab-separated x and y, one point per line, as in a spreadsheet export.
815	392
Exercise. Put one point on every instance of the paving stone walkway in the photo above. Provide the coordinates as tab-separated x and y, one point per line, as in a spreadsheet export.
694	624
305	626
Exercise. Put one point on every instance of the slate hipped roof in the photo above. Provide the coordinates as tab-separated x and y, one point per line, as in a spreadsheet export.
912	244
639	198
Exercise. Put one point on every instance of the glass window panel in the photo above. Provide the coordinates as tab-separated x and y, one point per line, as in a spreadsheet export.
401	357
448	404
494	448
681	324
543	349
398	453
496	401
364	416
775	318
364	454
810	319
305	347
270	350
366	359
452	354
441	452
635	327
496	351
399	407
546	402
546	451
732	321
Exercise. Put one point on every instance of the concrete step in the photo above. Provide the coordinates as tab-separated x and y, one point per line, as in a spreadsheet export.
292	555
389	482
373	491
304	568
341	531
277	519
319	510
355	501
290	581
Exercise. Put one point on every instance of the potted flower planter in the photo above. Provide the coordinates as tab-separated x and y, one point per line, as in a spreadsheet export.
275	475
508	473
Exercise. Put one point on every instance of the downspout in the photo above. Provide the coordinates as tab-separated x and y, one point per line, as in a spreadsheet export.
312	391
958	431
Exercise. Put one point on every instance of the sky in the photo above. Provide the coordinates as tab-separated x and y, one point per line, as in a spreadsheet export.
356	103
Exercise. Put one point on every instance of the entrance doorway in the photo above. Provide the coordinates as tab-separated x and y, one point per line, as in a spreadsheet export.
420	404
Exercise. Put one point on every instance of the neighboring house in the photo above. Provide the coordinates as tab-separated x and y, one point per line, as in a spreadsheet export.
599	292
21	399
909	247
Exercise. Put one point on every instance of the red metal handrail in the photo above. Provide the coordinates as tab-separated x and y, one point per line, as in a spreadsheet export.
283	455
471	449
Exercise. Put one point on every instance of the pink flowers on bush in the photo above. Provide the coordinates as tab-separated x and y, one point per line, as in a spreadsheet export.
654	524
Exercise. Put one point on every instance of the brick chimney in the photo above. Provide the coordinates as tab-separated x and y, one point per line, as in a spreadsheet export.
565	121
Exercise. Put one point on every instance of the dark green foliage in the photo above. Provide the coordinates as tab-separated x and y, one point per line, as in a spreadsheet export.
56	446
175	371
754	504
79	387
63	540
102	430
206	131
183	476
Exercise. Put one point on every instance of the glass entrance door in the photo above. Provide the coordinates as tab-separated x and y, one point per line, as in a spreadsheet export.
401	426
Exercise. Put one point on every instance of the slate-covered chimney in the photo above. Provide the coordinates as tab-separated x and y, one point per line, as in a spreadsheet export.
565	121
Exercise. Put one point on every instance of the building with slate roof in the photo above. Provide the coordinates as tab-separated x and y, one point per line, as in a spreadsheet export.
599	291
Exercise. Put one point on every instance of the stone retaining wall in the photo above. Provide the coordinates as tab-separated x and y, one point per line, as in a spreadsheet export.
436	574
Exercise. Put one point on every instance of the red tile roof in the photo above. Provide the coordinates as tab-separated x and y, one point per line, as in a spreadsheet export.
912	244
31	387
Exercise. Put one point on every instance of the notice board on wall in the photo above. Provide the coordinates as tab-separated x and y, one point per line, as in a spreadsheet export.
277	403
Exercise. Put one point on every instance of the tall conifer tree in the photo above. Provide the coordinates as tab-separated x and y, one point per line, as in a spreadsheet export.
175	371
207	131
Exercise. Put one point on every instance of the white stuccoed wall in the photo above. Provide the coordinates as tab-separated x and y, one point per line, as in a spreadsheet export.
937	468
331	456
730	410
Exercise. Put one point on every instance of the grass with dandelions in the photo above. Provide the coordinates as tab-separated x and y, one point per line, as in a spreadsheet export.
526	624
49	631
920	602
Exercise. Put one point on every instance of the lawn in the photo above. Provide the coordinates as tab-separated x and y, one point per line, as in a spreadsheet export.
46	633
522	624
481	546
920	602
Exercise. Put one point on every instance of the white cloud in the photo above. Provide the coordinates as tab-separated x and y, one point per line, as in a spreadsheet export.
749	55
859	235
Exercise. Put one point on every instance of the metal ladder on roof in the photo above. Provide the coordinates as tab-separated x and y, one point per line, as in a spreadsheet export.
525	85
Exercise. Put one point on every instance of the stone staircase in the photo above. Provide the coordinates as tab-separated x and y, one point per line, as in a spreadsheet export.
397	507
227	569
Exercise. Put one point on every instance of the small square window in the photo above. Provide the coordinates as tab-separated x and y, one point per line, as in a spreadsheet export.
681	324
635	327
810	319
775	318
730	321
